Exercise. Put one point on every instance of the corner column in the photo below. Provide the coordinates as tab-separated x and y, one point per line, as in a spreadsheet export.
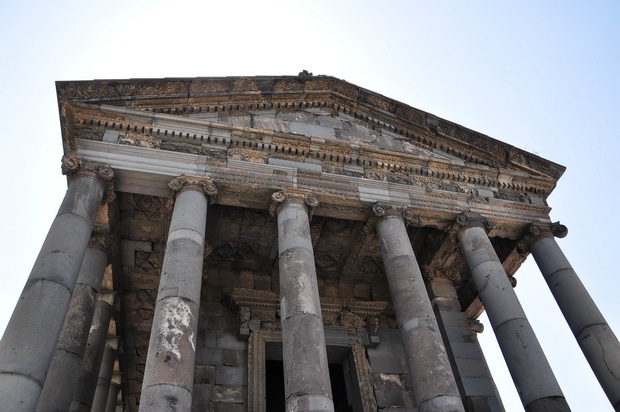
598	342
528	366
306	374
169	373
41	309
64	372
434	386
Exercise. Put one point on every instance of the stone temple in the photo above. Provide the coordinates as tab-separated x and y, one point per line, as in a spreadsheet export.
288	243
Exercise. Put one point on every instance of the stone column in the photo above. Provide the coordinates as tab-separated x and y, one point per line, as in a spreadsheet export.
95	347
306	373
434	387
596	339
472	375
105	375
29	341
115	387
528	366
64	372
169	373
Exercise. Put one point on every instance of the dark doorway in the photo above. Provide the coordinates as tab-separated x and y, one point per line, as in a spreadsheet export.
274	386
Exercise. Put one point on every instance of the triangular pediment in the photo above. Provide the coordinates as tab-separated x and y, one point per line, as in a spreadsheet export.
311	106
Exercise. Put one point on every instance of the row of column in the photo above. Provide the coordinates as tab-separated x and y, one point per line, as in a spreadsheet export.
307	385
25	358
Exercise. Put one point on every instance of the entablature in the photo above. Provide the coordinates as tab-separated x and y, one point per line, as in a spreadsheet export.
309	154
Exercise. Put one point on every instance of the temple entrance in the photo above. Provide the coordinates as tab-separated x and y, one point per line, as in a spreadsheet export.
274	386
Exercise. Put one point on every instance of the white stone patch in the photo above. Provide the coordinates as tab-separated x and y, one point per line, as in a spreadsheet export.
176	318
390	377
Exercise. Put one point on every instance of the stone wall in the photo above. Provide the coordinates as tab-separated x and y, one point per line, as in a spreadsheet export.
220	378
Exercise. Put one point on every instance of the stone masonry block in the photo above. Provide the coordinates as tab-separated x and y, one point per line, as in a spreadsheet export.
228	394
212	308
465	350
478	387
229	407
269	123
227	340
201	395
312	130
230	375
459	334
208	356
389	399
204	374
454	319
262	282
387	382
245	279
472	368
233	357
210	340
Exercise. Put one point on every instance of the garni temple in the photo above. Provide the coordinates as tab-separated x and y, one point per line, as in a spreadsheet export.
293	243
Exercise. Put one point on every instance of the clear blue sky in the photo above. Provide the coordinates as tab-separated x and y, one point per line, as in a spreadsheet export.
543	76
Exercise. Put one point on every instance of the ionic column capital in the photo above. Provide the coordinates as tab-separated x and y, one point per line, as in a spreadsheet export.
73	167
467	219
305	197
537	231
384	211
199	183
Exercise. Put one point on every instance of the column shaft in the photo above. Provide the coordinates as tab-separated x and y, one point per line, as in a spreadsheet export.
306	372
105	376
528	366
469	364
95	347
64	372
169	372
596	339
112	397
40	312
433	382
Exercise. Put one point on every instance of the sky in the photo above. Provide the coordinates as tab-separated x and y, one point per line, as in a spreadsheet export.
542	76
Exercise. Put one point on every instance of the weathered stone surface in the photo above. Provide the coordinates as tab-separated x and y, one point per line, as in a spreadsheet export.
306	376
228	394
230	375
208	356
389	399
169	371
204	374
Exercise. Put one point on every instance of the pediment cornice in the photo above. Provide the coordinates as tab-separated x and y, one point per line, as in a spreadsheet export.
229	94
